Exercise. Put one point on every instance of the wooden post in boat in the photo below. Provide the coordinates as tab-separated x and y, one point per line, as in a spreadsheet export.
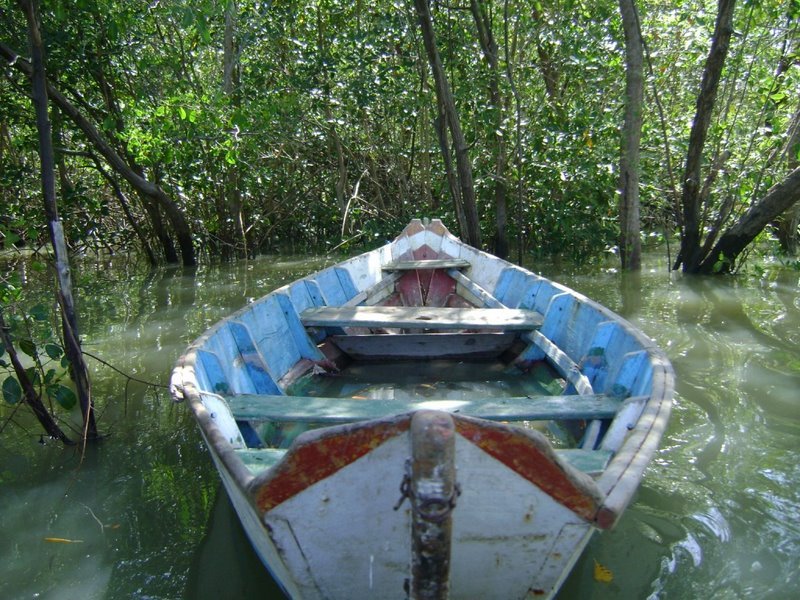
432	491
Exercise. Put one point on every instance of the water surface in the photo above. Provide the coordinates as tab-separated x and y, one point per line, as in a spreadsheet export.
717	516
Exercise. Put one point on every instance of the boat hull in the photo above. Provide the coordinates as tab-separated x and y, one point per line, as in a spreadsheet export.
324	496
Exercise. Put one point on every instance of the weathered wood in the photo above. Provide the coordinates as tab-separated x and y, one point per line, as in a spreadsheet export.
412	317
424	345
591	462
430	263
311	409
482	296
379	289
432	492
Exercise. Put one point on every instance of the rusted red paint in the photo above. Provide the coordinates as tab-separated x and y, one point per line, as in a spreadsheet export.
322	453
606	518
530	458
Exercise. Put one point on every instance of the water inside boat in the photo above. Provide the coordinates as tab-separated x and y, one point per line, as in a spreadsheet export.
429	379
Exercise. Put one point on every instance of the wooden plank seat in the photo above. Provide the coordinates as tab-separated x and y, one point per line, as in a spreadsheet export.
423	317
435	263
329	411
452	345
589	461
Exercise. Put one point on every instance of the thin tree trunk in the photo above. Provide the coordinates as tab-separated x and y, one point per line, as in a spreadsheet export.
230	85
517	131
630	244
452	179
147	188
443	92
690	252
788	222
483	25
72	348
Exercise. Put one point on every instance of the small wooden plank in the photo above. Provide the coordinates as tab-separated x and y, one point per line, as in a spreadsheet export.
258	459
591	462
425	317
436	263
424	345
375	290
323	410
483	297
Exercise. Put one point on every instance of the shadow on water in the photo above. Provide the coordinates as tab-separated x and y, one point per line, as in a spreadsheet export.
225	564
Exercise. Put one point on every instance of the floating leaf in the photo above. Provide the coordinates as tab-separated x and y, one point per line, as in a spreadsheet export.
12	391
602	574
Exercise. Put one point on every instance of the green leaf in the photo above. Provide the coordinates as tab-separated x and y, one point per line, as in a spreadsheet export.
40	312
63	395
12	391
54	351
182	112
28	347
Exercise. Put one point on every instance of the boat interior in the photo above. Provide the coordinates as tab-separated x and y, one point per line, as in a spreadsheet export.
361	341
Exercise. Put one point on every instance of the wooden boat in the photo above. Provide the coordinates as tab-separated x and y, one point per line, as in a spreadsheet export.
426	420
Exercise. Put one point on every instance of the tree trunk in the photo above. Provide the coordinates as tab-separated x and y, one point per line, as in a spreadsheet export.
473	233
230	86
780	197
147	188
630	244
489	46
72	348
690	253
787	223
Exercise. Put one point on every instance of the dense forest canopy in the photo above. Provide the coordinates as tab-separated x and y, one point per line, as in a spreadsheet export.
231	127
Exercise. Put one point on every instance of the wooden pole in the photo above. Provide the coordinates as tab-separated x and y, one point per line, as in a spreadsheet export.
433	493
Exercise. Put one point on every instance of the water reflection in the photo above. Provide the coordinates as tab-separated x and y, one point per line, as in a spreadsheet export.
717	516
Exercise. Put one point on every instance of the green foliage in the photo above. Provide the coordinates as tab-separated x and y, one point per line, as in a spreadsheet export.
327	131
36	345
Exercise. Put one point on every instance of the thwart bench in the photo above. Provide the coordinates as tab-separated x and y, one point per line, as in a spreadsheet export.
423	317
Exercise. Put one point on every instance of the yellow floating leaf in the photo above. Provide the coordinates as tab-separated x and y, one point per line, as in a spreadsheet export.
602	574
56	540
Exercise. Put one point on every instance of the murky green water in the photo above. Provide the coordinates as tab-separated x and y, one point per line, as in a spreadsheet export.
718	515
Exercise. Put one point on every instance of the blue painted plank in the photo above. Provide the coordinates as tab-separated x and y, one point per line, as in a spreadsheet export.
331	287
210	374
633	377
305	346
273	336
251	361
513	285
346	283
